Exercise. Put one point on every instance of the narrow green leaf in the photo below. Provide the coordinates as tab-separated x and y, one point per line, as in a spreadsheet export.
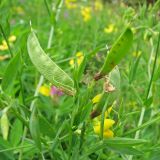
157	74
16	132
125	150
5	155
124	141
85	113
134	69
81	69
11	73
45	127
154	120
34	128
120	145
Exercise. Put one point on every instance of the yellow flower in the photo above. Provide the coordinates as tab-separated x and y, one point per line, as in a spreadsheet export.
98	5
86	13
18	10
97	98
12	38
108	123
106	113
136	53
4	46
4	57
79	59
107	133
71	4
44	90
109	29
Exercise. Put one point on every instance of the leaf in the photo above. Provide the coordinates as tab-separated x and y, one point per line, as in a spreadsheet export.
34	128
125	150
16	132
120	145
4	126
148	101
116	54
85	112
124	141
10	74
133	70
50	70
157	74
154	120
81	69
5	155
45	127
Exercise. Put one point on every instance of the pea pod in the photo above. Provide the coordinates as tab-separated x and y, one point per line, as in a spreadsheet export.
50	70
118	51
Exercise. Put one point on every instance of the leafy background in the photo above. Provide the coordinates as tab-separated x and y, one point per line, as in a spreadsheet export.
60	119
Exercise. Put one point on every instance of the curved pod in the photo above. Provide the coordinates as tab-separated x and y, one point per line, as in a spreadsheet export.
118	51
50	70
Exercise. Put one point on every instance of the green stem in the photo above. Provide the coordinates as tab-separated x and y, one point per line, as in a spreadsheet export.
154	66
5	37
148	91
48	10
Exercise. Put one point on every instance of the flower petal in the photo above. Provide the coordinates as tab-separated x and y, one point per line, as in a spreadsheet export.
97	98
108	134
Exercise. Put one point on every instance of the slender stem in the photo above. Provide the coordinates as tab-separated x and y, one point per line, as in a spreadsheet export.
22	143
46	4
154	66
5	37
148	92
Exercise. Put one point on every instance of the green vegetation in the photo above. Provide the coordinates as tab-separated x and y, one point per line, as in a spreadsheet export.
79	80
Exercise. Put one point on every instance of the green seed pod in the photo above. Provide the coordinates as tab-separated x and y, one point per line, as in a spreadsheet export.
118	51
4	126
47	67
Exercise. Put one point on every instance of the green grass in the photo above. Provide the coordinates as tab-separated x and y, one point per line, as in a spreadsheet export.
35	126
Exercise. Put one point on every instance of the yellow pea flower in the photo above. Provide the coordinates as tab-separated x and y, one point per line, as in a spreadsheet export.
4	46
109	29
86	13
108	123
12	38
98	5
97	98
71	62
4	57
136	53
71	4
79	59
18	10
108	134
44	90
